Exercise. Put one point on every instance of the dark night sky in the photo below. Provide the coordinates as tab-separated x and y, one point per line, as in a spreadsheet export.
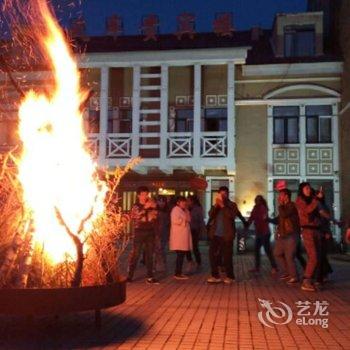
247	13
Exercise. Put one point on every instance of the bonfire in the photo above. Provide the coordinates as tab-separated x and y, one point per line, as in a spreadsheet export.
60	223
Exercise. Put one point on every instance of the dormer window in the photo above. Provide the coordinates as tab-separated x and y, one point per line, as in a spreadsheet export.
299	41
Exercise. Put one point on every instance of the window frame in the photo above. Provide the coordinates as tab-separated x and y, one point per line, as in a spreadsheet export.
219	120
189	122
285	127
293	31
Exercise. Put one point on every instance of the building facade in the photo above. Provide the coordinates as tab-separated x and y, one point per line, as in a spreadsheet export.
243	110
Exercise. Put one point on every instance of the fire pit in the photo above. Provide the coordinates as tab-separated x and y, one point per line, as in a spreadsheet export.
62	231
55	301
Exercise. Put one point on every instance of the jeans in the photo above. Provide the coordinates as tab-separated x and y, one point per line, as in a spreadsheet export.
263	240
180	255
195	240
145	240
299	254
310	244
217	247
323	266
284	253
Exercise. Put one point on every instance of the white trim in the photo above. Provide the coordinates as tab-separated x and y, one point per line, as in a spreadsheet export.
170	57
164	117
302	141
287	80
136	111
197	112
295	87
103	115
289	101
231	118
288	69
270	195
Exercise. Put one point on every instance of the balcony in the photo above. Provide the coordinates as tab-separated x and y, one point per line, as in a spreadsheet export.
182	149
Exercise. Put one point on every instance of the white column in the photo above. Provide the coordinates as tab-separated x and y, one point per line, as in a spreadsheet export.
197	115
231	112
164	116
136	110
103	115
207	199
302	142
270	158
336	182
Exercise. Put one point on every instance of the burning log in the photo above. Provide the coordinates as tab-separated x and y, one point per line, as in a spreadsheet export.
79	245
27	254
9	260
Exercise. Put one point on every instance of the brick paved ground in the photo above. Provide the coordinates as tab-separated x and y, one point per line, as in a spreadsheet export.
194	315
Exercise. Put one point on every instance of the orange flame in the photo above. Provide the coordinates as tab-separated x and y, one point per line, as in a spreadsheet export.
55	169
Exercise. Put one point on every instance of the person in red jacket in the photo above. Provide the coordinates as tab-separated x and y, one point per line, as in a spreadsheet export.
259	216
308	209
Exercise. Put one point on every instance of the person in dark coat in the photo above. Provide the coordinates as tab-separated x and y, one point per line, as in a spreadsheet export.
259	216
221	232
308	209
287	236
143	216
197	225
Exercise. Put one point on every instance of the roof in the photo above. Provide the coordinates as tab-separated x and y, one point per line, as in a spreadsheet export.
261	51
164	42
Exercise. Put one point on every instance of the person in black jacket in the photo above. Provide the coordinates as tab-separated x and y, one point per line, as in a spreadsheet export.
143	216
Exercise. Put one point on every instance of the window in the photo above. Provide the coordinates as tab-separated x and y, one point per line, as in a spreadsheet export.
299	41
285	125
120	121
318	124
184	120
215	119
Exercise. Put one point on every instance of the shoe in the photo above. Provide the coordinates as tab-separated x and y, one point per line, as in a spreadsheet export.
274	271
228	280
212	279
292	280
152	280
181	277
308	286
254	270
284	277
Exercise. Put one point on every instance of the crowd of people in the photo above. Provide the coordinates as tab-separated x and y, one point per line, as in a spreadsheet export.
179	224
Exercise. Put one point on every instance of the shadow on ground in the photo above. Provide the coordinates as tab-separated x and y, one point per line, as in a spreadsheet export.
67	332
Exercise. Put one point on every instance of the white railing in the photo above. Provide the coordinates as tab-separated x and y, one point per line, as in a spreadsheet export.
214	144
118	145
180	145
92	144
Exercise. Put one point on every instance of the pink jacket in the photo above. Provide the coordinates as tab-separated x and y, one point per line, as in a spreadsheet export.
180	231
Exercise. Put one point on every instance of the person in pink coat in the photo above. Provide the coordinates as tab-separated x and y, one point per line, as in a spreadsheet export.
180	234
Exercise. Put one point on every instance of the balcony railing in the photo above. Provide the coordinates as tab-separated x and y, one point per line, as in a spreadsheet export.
119	145
214	144
180	145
